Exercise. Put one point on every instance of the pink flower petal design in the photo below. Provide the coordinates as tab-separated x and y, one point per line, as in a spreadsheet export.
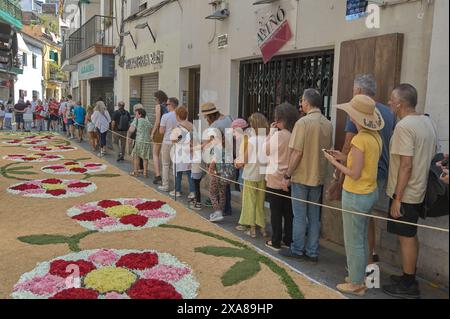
104	257
76	190
87	207
154	214
115	295
166	273
133	202
42	286
105	222
34	191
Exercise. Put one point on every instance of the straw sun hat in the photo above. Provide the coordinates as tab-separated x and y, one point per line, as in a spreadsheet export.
208	108
362	109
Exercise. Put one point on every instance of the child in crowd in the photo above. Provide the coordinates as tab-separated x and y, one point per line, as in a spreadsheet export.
2	115
40	115
252	214
28	117
181	136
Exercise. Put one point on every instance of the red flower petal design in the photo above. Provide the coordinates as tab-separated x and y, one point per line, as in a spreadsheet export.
108	203
76	293
90	216
138	261
78	170
52	181
24	187
135	220
153	289
92	165
56	192
28	159
54	167
60	267
51	156
151	205
79	185
71	163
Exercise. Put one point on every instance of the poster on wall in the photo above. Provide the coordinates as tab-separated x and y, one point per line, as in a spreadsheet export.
356	9
273	30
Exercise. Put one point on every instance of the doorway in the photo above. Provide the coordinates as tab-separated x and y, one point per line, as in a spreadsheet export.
194	94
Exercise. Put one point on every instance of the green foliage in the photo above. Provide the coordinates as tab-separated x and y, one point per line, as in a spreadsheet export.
8	171
42	240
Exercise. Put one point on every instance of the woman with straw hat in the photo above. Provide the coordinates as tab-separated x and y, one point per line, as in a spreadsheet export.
360	186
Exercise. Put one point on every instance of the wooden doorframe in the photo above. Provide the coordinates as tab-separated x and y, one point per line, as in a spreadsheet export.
380	56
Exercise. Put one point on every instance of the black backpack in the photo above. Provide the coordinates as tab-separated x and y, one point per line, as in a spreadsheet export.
124	121
436	197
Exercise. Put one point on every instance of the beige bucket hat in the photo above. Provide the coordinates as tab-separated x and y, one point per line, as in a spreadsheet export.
208	108
362	109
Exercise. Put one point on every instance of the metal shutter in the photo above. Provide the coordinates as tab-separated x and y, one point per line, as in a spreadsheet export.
149	85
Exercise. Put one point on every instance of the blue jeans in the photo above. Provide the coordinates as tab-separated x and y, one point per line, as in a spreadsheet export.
178	182
227	210
356	232
306	224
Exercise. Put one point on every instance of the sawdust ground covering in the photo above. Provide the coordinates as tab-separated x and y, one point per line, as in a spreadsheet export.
20	216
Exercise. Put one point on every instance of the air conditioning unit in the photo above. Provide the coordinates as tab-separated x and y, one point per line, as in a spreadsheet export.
221	10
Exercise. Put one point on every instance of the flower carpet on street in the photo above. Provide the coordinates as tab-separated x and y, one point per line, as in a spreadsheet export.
109	274
25	142
122	214
33	158
53	188
52	149
71	168
124	239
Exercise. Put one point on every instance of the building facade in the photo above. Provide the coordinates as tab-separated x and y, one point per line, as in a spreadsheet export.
88	53
29	85
10	61
170	46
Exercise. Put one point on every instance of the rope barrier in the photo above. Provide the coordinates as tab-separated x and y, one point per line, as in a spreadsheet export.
332	208
326	206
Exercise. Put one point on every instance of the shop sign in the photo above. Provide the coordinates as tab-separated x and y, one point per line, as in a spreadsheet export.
273	30
145	60
90	68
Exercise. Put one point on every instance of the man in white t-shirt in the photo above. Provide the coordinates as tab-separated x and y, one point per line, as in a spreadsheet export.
168	123
62	111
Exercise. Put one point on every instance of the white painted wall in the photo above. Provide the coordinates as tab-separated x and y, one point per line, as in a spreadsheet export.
437	102
31	79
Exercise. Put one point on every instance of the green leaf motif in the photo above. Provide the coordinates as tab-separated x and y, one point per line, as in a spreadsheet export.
22	173
41	240
226	252
19	168
240	272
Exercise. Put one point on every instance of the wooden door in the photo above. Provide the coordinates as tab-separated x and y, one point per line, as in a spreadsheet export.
380	56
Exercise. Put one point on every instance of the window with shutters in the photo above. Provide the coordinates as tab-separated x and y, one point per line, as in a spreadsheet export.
24	59
34	61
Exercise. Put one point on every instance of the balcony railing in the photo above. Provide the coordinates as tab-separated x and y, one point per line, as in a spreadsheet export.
11	8
97	31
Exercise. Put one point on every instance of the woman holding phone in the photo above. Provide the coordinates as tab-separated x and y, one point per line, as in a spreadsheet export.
360	186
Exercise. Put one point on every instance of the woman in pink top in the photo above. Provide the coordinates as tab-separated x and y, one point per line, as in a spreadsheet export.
277	149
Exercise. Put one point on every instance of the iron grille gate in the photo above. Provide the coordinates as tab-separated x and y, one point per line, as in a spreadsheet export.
283	79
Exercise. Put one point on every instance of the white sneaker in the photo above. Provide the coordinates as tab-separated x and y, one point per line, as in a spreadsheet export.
172	193
191	195
216	217
163	188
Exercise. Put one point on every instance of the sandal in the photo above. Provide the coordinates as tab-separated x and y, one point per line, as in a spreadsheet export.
251	232
135	174
348	289
241	228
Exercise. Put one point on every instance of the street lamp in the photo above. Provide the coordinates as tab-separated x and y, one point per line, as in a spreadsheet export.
145	25
128	33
